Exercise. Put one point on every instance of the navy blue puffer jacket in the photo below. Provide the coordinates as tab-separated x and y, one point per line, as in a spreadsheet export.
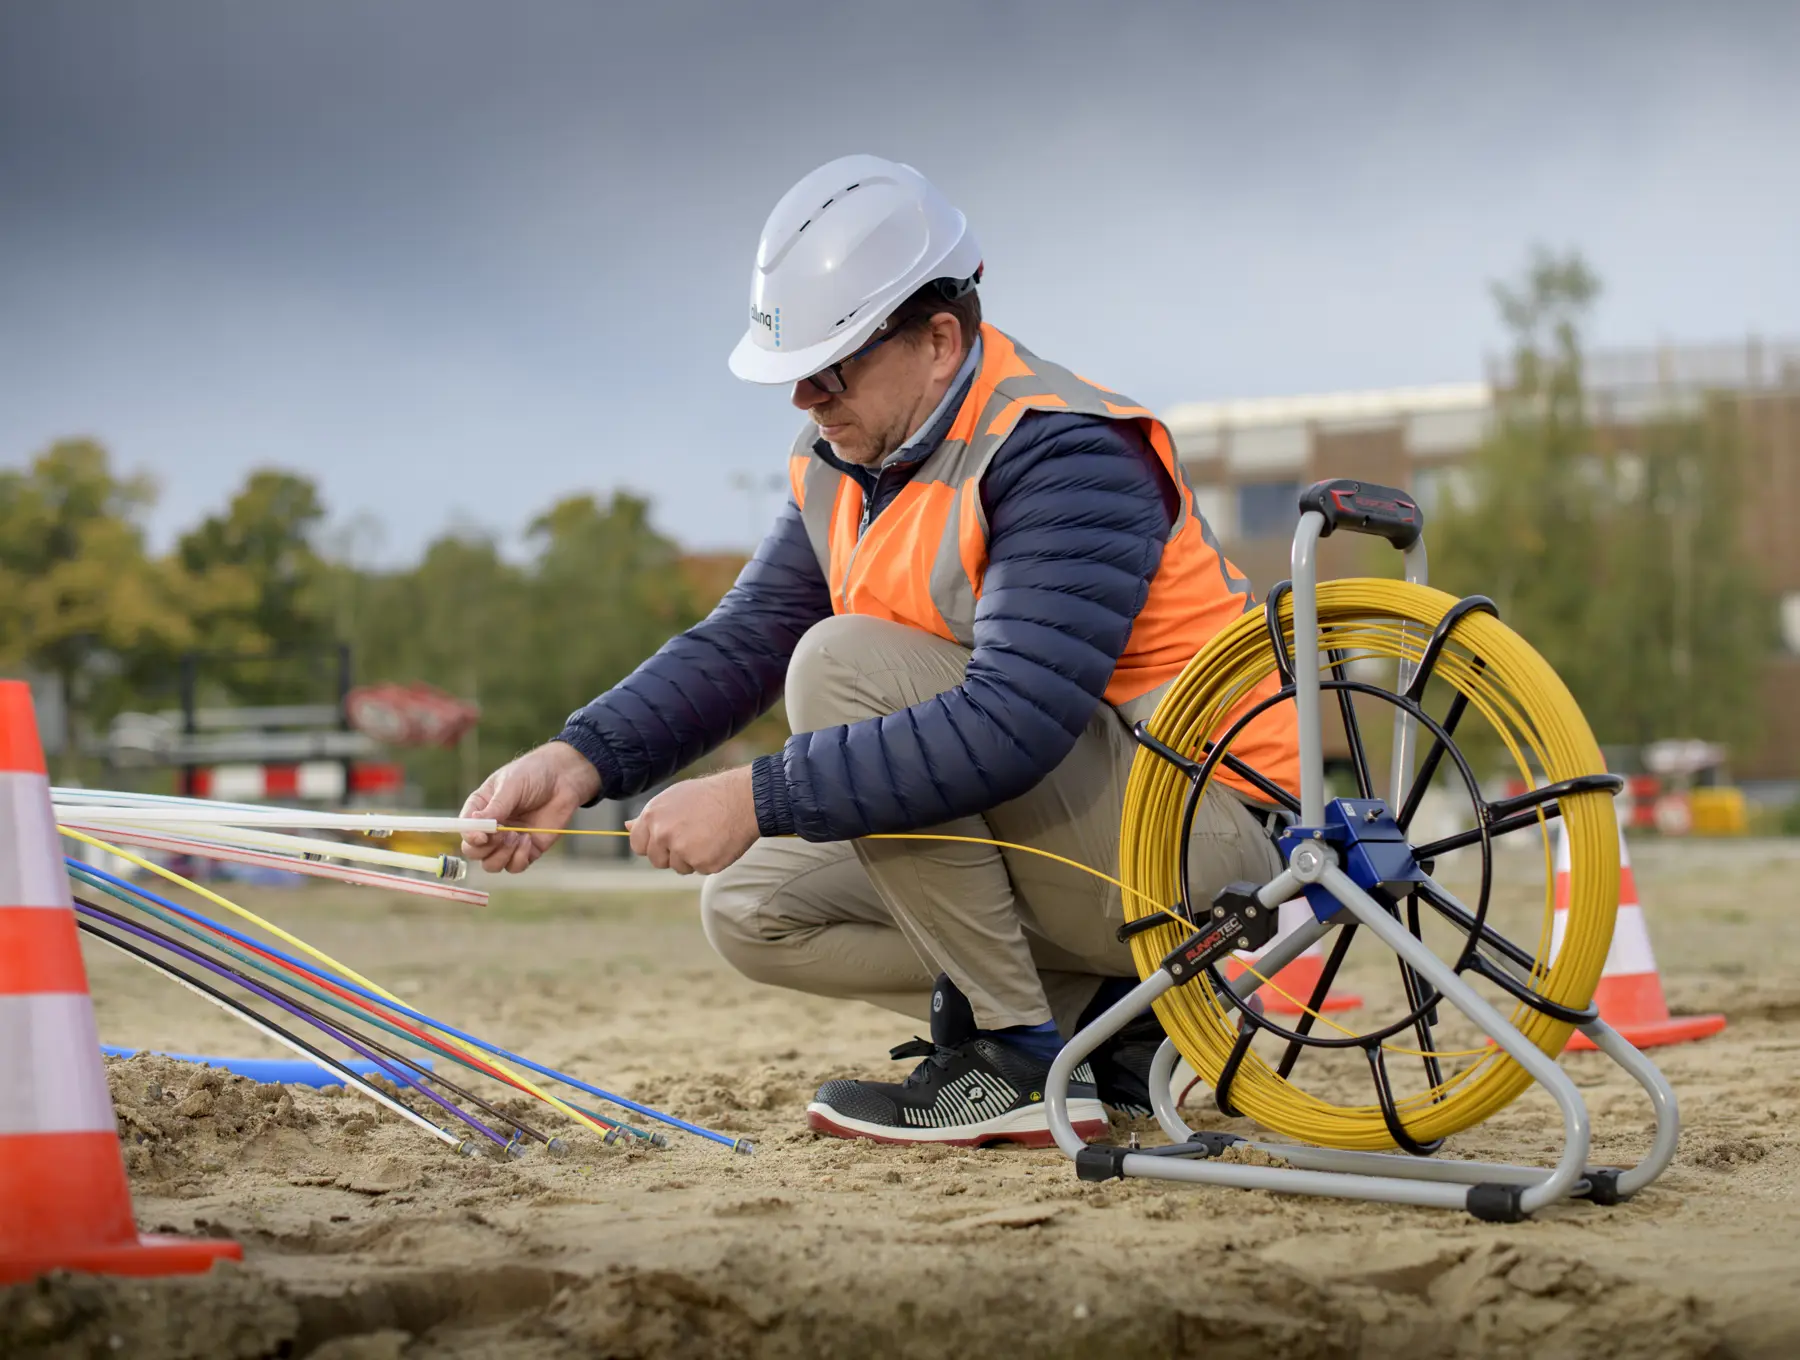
1078	510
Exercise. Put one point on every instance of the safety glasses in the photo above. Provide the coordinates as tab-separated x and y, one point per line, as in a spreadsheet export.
831	377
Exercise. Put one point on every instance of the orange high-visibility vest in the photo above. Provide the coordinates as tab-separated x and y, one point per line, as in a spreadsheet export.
920	562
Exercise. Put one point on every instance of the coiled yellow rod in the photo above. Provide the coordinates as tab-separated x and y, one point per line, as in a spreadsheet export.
1509	685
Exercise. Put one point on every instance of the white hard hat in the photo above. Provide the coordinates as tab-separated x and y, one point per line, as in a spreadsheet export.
843	248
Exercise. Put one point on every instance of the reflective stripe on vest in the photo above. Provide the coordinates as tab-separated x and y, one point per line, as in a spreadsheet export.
922	559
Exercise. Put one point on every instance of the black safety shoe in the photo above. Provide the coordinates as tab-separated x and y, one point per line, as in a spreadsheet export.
1122	1065
969	1090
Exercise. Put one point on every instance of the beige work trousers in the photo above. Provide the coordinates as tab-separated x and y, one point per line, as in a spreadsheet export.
1026	939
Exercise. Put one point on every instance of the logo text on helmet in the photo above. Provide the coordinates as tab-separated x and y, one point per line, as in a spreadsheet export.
769	321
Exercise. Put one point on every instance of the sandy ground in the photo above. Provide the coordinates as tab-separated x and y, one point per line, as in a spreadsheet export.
363	1238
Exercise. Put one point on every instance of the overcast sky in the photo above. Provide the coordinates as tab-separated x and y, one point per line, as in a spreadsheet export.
455	260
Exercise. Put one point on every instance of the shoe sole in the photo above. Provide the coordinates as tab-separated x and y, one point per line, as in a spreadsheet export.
1028	1127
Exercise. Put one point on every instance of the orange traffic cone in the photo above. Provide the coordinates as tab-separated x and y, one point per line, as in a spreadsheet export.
1300	977
1630	994
64	1203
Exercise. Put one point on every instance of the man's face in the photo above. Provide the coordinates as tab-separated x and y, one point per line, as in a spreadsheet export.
888	391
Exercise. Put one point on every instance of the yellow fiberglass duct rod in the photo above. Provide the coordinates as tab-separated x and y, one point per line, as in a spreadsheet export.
1522	699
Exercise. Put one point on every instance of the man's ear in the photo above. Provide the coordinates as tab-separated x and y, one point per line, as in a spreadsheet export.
947	345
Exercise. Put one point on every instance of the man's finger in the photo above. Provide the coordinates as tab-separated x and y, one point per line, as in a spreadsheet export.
501	802
657	852
475	843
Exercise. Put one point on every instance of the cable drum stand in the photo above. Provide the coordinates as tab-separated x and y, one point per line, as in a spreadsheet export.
1351	859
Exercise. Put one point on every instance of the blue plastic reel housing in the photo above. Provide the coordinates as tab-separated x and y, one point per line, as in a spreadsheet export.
1373	849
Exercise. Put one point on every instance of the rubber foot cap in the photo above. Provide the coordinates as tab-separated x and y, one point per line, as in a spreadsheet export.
1496	1203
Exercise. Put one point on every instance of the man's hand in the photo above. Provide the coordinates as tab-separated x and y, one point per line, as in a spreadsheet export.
699	826
540	788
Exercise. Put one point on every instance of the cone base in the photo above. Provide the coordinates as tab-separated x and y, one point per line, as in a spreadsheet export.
151	1254
1677	1029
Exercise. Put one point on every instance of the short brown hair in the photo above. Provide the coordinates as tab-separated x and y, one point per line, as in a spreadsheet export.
932	299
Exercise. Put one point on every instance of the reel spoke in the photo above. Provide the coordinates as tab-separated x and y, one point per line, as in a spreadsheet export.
1545	793
1503	978
1268	787
1440	637
1359	756
1429	766
1390	1113
1525	996
1222	1089
1284	660
1515	814
1321	989
1458	916
1422	999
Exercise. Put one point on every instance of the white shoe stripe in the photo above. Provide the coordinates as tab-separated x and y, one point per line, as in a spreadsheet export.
1088	1117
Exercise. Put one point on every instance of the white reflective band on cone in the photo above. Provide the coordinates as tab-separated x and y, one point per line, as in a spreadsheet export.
1292	916
31	873
1630	952
51	1078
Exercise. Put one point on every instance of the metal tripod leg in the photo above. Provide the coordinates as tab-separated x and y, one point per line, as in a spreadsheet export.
1646	1073
1319	1171
1576	1125
1283	887
1101	1028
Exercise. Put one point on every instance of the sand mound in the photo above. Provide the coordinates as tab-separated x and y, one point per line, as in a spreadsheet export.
186	1128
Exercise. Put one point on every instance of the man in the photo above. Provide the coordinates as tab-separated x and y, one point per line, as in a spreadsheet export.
987	569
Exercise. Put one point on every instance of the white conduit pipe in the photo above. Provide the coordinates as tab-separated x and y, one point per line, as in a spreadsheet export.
438	866
291	818
344	873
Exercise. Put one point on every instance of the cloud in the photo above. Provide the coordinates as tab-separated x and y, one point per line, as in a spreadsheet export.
458	259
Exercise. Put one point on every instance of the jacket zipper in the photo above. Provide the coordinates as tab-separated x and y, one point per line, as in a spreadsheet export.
868	514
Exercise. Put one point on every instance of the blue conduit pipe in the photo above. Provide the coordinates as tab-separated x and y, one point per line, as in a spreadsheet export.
288	1071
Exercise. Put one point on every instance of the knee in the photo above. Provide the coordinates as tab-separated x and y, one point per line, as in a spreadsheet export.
731	914
851	666
821	676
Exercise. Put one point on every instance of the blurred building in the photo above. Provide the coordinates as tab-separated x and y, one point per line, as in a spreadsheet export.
1248	461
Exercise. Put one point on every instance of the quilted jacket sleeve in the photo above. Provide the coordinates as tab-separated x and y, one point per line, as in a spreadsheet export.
1078	510
708	683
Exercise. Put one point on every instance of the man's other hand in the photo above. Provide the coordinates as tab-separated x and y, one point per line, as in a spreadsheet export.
540	788
699	826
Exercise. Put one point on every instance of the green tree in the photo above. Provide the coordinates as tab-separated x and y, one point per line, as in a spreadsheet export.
456	620
527	642
80	598
1621	565
606	591
265	534
1699	625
